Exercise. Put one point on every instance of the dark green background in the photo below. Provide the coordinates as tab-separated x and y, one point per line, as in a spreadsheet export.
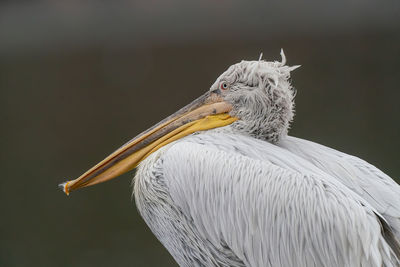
78	79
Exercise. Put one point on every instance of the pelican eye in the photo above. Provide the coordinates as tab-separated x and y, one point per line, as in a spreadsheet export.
224	86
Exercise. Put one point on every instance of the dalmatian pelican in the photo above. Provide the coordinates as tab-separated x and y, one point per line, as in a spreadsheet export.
221	183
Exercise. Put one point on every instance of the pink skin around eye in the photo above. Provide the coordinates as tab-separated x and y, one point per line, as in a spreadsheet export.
223	86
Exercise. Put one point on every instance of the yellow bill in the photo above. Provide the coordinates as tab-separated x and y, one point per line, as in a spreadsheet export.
206	112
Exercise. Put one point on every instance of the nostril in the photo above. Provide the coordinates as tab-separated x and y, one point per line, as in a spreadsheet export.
217	92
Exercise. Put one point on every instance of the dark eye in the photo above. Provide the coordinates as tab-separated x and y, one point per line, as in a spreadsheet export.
224	86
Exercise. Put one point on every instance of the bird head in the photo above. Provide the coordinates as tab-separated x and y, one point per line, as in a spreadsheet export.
261	97
253	97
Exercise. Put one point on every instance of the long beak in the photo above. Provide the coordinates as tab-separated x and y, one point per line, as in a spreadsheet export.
206	112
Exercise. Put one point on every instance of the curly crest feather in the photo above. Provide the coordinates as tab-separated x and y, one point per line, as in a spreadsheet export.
262	97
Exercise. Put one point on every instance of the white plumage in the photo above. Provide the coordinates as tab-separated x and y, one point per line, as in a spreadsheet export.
212	203
248	194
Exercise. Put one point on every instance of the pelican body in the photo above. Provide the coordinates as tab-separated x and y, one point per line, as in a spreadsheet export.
221	183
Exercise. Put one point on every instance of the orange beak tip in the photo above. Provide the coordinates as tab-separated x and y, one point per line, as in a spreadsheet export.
64	187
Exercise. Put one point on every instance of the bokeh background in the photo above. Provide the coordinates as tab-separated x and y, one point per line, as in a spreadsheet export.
80	78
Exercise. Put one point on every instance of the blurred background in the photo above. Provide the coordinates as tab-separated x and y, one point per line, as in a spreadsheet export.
80	78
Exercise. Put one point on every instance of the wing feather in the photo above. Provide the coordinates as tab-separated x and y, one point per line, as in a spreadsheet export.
269	206
377	188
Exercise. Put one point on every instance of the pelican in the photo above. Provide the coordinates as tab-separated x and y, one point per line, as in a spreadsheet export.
221	183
